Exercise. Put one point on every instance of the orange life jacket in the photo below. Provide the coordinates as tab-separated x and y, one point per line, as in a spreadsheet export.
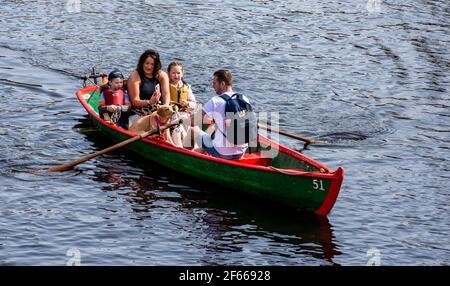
114	97
179	94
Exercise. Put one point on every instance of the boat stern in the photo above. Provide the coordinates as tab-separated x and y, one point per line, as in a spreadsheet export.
333	193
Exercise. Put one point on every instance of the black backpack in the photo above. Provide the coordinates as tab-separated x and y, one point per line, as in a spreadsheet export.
244	125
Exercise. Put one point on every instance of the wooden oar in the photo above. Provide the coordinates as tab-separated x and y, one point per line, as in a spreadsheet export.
71	164
295	136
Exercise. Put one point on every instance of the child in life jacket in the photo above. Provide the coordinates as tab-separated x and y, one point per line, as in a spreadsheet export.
180	91
181	95
114	102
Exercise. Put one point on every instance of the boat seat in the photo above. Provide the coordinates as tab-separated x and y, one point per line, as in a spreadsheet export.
254	159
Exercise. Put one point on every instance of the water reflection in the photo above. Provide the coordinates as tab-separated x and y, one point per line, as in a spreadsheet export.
283	233
221	219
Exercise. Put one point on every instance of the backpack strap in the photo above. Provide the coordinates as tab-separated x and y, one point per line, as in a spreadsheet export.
214	132
225	97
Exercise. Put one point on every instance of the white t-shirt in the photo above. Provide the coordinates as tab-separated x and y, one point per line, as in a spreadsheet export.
215	109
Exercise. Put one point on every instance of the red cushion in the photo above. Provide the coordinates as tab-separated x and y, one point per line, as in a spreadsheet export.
254	159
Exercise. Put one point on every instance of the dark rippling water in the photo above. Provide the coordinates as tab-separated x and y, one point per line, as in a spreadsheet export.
372	79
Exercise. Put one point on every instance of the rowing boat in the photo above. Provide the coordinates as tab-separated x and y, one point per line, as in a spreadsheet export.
275	172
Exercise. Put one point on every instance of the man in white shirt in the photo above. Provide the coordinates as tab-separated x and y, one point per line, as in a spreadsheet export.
217	144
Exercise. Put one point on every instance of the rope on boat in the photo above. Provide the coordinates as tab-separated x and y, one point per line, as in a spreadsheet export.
290	172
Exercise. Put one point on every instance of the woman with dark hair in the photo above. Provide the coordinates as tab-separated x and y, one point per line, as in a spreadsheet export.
148	84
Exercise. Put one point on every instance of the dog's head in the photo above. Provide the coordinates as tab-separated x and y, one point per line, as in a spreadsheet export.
165	112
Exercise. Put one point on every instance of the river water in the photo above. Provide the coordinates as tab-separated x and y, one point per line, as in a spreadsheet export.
371	77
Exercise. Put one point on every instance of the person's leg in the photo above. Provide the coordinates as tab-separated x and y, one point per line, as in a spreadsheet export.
186	120
188	137
206	142
177	137
167	137
192	139
198	136
210	129
183	135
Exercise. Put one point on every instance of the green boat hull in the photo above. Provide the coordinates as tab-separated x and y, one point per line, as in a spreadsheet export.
290	178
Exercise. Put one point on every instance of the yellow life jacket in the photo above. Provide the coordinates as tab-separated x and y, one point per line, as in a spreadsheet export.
178	94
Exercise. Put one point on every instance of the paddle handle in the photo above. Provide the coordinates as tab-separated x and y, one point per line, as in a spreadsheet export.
72	164
295	136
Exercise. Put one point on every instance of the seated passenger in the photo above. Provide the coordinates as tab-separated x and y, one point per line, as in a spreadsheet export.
180	94
114	104
147	85
180	90
218	143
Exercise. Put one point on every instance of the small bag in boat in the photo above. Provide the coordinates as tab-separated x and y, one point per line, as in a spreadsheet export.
244	125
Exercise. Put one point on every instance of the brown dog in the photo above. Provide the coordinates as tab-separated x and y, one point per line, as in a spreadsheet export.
158	118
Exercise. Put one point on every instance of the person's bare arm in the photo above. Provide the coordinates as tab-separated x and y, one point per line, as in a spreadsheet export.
164	86
191	99
134	82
